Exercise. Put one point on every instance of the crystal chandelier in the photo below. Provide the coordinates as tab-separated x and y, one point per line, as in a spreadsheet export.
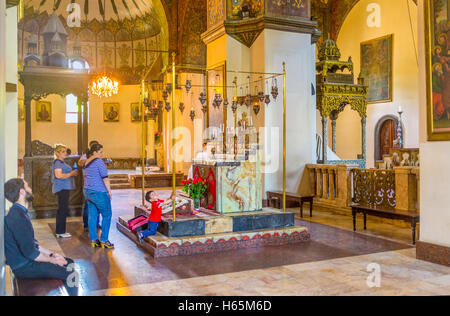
104	86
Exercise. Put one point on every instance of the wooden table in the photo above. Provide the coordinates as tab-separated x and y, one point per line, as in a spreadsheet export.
273	196
411	217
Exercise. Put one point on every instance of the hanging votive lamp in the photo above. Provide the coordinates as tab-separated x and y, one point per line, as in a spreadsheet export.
192	114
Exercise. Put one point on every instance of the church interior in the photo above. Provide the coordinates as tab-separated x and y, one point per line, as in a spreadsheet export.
297	145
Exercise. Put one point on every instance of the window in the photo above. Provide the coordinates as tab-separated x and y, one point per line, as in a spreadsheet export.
72	109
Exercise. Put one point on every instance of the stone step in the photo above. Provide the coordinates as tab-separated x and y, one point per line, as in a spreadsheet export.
120	186
118	176
120	181
162	246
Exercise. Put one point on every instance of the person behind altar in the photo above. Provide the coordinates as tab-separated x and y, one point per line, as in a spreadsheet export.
156	206
201	156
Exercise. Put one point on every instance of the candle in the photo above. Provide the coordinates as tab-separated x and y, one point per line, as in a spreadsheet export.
400	109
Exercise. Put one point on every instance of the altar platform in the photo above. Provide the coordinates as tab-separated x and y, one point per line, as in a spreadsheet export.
207	231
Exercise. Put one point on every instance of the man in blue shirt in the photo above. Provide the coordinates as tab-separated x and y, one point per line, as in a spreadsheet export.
23	254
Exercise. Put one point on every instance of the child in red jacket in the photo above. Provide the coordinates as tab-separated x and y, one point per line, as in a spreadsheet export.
155	215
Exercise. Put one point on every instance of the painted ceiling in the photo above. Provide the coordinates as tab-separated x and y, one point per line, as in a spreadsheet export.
137	18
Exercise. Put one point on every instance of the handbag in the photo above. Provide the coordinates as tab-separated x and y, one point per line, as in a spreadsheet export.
137	224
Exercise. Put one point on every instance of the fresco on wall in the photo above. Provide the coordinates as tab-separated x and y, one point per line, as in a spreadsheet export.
295	8
113	37
43	111
376	68
438	31
111	112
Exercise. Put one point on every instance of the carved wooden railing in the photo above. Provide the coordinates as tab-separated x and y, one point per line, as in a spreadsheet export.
341	185
374	188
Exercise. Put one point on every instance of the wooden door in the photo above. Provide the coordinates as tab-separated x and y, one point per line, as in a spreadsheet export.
388	134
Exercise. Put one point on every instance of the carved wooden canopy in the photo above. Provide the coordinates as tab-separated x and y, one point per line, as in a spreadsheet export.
336	90
40	82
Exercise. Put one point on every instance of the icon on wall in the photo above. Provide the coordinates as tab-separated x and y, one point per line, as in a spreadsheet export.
111	112
43	111
135	112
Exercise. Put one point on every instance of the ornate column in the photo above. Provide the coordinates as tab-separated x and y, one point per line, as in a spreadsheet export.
325	139
85	127
333	126
80	126
27	103
364	133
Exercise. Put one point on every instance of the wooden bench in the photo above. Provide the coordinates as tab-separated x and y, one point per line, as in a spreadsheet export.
38	287
275	199
411	217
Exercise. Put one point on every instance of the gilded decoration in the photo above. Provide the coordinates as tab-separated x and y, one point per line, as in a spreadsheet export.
374	188
216	12
335	90
295	8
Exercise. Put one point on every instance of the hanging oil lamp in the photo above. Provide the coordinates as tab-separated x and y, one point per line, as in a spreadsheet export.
225	104
168	107
160	105
234	104
192	114
267	99
248	100
261	96
202	98
181	107
165	95
169	88
188	86
256	108
217	100
274	89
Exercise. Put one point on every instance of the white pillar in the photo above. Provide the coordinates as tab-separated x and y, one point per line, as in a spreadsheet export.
2	140
299	54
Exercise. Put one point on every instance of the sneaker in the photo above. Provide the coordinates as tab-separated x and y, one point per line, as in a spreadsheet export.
96	244
140	237
66	235
107	245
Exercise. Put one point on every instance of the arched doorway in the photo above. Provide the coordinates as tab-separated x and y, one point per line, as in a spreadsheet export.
385	136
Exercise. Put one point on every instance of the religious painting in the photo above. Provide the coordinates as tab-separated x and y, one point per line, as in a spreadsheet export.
294	8
376	68
111	112
437	34
43	111
21	109
136	112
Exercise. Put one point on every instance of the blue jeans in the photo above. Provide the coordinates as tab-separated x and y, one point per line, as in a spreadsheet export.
99	203
86	215
151	230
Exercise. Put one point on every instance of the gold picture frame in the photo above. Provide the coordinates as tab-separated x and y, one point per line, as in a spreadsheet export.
135	110
43	111
438	117
377	67
21	110
111	112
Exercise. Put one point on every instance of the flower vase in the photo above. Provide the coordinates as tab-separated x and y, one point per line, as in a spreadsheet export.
197	204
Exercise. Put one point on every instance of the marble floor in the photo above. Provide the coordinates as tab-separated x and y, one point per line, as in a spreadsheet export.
334	262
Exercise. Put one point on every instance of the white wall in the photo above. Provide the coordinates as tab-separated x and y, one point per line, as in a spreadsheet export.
394	20
434	173
11	124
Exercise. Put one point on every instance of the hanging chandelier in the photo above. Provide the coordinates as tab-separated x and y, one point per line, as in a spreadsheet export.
104	86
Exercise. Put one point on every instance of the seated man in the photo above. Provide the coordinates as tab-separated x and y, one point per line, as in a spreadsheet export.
23	254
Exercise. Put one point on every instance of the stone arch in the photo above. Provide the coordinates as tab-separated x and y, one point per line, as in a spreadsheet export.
378	127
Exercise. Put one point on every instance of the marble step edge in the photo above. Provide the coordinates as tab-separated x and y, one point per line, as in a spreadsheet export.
164	241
